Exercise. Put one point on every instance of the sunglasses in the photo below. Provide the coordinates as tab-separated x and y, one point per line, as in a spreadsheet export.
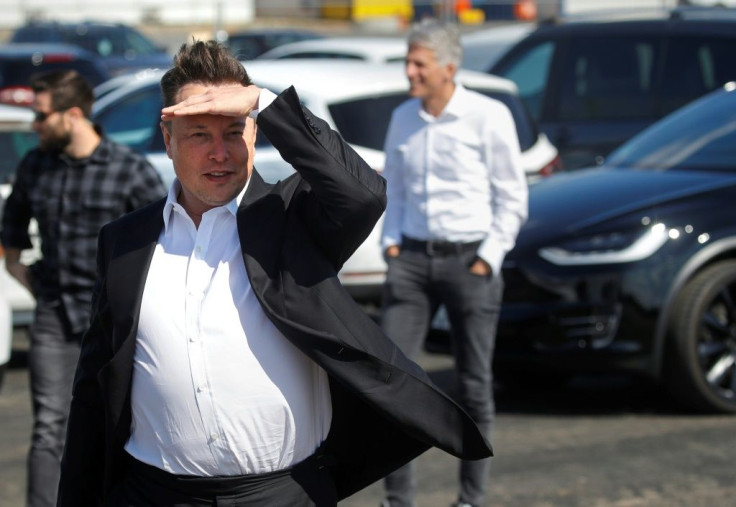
40	116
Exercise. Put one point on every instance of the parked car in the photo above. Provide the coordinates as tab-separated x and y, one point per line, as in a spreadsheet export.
16	138
370	49
631	266
18	62
339	92
252	43
6	332
482	48
592	85
121	48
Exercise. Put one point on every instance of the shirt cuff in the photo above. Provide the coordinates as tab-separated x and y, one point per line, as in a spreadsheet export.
264	100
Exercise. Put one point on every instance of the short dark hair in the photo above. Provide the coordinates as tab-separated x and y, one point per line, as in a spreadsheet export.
68	89
208	63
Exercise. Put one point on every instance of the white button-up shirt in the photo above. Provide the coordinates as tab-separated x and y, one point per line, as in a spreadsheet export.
217	389
456	177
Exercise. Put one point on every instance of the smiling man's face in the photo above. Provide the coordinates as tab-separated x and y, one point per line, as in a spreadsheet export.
212	155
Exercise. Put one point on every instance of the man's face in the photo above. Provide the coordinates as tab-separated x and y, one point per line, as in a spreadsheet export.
53	127
212	154
427	77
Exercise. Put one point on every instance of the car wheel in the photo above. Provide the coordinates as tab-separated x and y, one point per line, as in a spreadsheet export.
701	369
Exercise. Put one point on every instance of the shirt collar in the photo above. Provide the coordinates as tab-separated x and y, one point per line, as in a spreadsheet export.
459	103
456	107
172	202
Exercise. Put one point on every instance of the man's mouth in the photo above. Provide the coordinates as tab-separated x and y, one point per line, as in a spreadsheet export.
217	175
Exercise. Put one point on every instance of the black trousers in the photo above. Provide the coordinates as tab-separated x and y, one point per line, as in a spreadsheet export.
307	484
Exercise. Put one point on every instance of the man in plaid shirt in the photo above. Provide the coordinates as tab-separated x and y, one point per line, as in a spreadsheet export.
72	184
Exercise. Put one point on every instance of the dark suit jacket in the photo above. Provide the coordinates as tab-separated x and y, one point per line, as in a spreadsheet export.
294	236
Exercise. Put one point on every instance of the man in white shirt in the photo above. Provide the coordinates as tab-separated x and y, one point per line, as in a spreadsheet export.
457	197
225	364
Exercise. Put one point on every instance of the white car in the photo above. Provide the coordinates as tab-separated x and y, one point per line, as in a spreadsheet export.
355	98
6	335
16	138
369	49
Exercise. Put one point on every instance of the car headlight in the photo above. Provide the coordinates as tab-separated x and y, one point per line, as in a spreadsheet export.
612	248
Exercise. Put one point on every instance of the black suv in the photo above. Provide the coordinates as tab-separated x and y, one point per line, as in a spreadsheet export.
593	85
18	62
121	48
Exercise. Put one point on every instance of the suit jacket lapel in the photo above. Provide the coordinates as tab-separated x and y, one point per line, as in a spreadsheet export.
126	277
128	270
260	218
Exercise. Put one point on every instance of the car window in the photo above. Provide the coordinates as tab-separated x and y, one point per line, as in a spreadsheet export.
364	122
693	67
699	136
14	145
608	78
321	54
351	117
529	71
18	73
248	47
109	41
134	120
32	34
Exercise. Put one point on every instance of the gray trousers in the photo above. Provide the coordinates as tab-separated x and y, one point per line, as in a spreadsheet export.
417	283
52	361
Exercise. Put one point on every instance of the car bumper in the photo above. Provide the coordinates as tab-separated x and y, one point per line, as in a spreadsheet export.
576	322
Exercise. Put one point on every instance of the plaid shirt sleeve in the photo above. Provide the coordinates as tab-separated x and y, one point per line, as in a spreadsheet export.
145	184
16	215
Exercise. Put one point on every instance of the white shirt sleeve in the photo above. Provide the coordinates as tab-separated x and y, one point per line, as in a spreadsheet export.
509	191
391	234
264	100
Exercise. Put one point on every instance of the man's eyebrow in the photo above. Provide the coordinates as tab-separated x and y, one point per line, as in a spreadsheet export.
237	122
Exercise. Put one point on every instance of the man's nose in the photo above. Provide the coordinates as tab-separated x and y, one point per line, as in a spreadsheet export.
218	150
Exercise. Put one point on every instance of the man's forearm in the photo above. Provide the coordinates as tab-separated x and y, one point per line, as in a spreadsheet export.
17	270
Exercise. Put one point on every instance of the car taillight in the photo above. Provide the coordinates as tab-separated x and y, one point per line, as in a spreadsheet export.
16	95
57	57
555	165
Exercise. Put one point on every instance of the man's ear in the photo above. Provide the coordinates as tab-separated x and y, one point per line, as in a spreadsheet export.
166	131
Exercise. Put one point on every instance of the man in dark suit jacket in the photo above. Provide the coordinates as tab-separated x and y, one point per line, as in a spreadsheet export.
225	362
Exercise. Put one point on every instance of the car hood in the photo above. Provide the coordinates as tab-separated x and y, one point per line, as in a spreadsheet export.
575	202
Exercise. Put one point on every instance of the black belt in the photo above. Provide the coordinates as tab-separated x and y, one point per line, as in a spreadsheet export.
435	247
159	483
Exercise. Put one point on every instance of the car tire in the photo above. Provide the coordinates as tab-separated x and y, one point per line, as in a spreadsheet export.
701	363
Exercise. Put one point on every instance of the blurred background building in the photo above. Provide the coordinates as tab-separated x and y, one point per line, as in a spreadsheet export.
214	12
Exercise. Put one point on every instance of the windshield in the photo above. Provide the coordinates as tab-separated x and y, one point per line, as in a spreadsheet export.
701	135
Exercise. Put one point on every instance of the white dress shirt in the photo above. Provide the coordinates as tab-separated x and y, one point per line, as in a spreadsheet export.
455	177
217	389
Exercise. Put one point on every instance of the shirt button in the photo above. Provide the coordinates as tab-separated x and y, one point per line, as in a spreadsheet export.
214	437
